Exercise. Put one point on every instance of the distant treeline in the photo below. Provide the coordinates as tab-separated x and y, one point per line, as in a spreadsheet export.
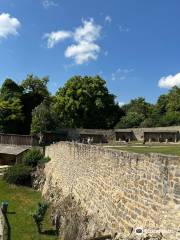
83	102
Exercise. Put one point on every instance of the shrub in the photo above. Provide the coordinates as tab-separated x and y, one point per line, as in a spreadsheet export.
39	215
18	174
33	157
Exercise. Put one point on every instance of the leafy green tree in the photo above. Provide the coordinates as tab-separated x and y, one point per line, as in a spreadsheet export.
170	119
136	113
132	119
84	102
11	115
139	106
10	89
36	85
167	109
173	104
43	118
35	91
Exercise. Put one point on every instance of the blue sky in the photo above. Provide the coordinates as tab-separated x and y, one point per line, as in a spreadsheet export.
133	44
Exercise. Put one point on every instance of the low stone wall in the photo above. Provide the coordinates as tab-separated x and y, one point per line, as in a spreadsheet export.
114	192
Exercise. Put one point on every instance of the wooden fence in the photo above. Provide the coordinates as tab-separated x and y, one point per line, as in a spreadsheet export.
14	139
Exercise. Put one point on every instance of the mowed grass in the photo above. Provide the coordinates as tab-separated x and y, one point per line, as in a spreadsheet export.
22	203
168	150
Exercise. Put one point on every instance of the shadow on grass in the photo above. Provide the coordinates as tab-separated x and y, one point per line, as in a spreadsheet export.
11	212
50	232
7	227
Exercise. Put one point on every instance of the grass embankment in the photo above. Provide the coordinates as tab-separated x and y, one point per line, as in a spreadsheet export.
22	203
172	150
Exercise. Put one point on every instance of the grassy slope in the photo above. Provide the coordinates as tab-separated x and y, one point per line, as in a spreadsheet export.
22	202
173	150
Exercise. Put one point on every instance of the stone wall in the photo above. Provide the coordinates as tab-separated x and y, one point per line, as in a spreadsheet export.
113	192
1	225
139	132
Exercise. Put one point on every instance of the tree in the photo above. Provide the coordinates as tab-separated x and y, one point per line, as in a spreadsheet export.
136	112
43	118
139	106
173	104
35	91
132	119
10	89
85	102
11	115
36	85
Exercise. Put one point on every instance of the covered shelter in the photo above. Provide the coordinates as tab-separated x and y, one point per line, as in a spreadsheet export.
161	136
95	137
11	154
124	135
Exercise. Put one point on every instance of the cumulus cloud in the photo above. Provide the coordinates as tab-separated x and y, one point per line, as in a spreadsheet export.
108	19
85	48
170	81
8	25
83	52
49	3
55	37
88	32
84	37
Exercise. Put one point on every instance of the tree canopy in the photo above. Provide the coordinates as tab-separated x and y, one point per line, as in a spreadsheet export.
85	102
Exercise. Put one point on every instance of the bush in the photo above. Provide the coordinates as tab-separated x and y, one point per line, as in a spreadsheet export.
33	157
39	215
18	174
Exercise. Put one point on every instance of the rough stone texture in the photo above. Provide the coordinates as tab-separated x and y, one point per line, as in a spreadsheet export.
114	192
1	225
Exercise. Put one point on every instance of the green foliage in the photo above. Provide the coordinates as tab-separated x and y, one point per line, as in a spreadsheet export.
132	119
84	102
10	89
33	157
35	91
35	85
136	112
11	115
43	118
39	215
18	174
139	106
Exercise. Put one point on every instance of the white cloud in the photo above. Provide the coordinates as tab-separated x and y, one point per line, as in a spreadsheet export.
123	28
49	3
108	19
85	48
121	74
8	25
83	52
84	37
89	32
55	37
169	81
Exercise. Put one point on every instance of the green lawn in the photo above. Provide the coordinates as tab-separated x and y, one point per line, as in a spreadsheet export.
173	150
22	202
